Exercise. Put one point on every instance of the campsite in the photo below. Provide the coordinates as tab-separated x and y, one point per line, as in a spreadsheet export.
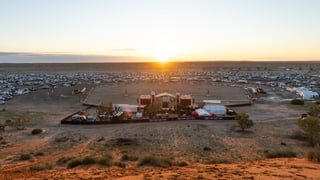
196	142
160	89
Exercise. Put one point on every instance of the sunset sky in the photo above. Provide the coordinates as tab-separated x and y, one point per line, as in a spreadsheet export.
180	30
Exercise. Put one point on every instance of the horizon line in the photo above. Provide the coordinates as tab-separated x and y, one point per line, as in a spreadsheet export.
156	62
131	59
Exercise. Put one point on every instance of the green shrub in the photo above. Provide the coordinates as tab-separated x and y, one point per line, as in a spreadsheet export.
47	166
297	102
105	161
25	157
317	102
88	160
126	157
244	121
120	164
311	129
314	110
181	164
39	153
314	155
155	162
74	163
280	154
217	161
63	160
36	131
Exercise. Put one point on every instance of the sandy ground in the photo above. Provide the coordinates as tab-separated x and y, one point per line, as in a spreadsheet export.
47	100
115	93
275	124
283	168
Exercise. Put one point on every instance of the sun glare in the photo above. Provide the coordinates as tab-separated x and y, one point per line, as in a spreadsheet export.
160	54
162	58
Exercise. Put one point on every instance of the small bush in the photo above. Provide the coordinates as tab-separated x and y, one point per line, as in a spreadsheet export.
47	166
119	142
39	153
181	164
155	162
61	139
297	102
88	160
280	154
217	161
314	110
120	164
244	121
311	129
36	131
317	102
108	155
25	157
37	168
105	161
126	157
74	163
64	160
314	155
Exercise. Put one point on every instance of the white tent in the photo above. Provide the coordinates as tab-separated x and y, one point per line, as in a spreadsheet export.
202	112
308	95
215	109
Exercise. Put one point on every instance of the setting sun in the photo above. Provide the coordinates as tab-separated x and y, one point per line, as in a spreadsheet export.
162	58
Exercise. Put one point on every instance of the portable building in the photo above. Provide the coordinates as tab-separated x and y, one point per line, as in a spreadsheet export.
145	99
212	101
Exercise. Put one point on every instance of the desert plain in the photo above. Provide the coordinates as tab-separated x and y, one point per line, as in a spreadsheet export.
193	149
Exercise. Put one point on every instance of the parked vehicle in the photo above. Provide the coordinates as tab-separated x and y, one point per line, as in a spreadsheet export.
78	117
231	112
90	118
